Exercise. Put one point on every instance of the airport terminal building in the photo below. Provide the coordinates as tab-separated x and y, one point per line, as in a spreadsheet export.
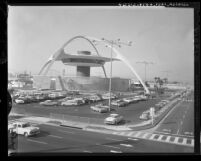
83	61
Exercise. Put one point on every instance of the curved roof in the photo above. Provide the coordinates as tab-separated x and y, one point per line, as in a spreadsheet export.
92	57
83	60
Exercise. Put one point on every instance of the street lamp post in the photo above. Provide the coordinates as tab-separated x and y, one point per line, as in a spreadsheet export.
112	43
145	68
110	85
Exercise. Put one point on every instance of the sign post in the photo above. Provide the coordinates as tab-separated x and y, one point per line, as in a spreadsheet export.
152	113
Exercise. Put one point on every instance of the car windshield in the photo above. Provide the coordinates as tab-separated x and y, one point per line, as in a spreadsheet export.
26	125
114	115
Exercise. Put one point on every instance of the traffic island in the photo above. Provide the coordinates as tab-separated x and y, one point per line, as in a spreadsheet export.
158	117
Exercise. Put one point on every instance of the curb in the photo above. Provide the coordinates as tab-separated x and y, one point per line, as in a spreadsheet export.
75	127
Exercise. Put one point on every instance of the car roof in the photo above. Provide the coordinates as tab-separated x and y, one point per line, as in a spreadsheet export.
114	114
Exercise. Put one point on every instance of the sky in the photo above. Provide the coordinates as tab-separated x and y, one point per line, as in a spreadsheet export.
160	35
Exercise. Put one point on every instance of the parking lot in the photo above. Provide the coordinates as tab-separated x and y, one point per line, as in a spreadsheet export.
130	112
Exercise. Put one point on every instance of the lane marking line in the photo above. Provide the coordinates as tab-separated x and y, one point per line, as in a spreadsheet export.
115	133
40	142
130	133
113	151
110	146
127	145
133	139
55	136
86	151
122	133
112	139
67	131
137	134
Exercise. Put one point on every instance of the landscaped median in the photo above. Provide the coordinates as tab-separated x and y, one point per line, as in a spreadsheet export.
158	116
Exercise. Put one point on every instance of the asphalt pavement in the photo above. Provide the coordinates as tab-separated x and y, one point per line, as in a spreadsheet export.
130	112
56	139
181	120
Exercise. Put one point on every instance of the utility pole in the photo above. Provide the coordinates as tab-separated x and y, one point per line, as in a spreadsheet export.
118	44
145	66
167	73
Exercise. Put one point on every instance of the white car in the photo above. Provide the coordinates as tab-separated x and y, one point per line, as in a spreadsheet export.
145	116
71	102
23	128
80	100
143	98
113	119
19	101
119	103
100	108
128	100
94	98
52	95
107	96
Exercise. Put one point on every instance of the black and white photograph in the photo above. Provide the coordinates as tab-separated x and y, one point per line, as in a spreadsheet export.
101	79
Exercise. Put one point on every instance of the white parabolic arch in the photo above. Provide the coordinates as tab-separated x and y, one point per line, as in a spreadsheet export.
51	60
124	60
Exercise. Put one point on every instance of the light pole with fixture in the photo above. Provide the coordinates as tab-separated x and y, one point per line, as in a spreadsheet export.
145	67
112	43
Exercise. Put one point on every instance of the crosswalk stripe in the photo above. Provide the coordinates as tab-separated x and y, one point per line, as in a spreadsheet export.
160	137
145	135
176	139
114	133
152	136
137	134
121	133
168	139
192	142
130	133
184	141
141	135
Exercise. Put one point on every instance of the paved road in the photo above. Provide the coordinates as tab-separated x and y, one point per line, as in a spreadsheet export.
60	139
181	120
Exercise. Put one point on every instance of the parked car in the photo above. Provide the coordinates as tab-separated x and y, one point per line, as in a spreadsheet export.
167	101
119	103
142	97
19	101
100	108
94	98
52	96
107	96
80	99
128	100
23	128
160	105
113	119
145	116
49	103
71	102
